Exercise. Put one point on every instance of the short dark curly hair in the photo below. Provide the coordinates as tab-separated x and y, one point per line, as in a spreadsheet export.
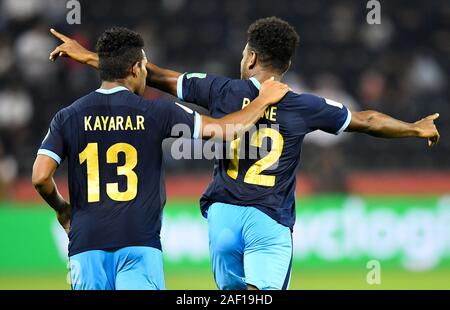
274	41
118	49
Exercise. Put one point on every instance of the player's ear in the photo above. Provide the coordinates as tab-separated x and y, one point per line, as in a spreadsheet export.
135	69
252	59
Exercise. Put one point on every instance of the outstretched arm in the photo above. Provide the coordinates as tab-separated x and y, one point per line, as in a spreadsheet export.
383	126
162	79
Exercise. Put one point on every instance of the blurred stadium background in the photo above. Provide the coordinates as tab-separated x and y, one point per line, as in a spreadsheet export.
359	198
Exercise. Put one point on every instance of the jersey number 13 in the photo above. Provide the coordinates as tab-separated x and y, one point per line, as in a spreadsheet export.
90	156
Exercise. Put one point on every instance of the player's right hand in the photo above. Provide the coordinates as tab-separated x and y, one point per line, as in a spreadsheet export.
427	129
70	48
273	91
64	216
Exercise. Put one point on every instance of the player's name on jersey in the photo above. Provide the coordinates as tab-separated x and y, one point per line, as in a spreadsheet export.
269	114
114	123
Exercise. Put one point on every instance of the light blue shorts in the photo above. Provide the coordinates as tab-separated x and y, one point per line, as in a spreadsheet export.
248	247
129	268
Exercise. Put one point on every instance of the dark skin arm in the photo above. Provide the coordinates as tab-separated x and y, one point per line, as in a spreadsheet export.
43	169
383	126
162	79
370	122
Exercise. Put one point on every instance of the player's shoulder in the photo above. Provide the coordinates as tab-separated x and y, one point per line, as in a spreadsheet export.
71	110
312	100
66	113
304	101
80	103
303	98
227	84
242	88
96	98
160	108
158	104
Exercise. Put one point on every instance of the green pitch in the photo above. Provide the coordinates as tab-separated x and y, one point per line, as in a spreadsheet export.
300	281
28	229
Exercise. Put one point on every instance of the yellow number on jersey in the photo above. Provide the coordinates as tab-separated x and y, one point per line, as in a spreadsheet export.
234	161
253	175
112	157
90	154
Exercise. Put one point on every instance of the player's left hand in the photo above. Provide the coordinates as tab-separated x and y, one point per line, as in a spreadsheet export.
427	129
273	91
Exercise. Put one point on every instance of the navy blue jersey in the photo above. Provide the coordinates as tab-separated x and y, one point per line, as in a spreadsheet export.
112	141
265	181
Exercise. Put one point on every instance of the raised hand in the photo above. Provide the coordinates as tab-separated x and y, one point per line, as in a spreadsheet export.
72	49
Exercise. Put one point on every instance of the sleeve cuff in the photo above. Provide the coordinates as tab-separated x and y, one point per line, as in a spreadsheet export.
50	154
197	125
180	87
346	123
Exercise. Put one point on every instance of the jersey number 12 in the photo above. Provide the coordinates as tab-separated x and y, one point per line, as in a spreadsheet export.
254	173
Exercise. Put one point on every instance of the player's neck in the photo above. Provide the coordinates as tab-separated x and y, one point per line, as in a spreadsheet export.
111	85
263	75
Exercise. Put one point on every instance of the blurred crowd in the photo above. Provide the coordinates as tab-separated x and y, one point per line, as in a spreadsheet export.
400	67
